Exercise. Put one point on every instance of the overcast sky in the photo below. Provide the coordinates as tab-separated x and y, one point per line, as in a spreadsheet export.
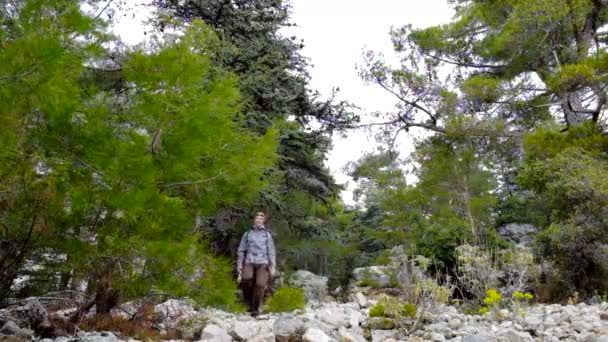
335	34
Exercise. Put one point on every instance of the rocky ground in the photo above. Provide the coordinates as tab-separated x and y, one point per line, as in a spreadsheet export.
324	319
331	321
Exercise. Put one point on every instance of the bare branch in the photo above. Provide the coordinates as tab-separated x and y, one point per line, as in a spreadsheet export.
406	101
463	64
168	185
21	75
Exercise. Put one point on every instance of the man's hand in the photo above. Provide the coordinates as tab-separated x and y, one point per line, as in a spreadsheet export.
272	271
239	270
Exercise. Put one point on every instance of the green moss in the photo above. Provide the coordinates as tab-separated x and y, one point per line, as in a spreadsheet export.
286	299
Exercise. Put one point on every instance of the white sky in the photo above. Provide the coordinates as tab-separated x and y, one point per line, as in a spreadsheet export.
335	33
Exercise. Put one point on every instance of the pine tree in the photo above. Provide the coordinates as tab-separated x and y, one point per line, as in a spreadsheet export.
110	182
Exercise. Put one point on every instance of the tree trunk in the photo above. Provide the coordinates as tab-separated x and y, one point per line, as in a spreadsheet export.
573	109
106	297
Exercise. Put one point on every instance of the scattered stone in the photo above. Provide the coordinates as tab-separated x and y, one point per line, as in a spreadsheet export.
213	333
315	335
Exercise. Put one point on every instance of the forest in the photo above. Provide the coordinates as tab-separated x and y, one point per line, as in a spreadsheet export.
131	172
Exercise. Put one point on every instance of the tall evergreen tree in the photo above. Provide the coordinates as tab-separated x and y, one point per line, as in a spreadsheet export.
110	182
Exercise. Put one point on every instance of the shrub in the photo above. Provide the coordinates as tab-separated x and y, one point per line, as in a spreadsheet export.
394	308
377	310
286	299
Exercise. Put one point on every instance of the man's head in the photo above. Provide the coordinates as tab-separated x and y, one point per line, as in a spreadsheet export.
259	219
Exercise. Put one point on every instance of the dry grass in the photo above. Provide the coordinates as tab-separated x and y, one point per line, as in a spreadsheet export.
139	329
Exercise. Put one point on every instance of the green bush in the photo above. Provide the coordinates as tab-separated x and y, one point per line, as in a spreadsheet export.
286	299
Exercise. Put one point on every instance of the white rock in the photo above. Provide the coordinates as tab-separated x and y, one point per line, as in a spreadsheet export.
354	317
315	335
437	337
349	336
333	316
533	322
383	335
285	327
479	338
213	333
361	300
263	338
514	336
103	336
454	323
581	326
246	330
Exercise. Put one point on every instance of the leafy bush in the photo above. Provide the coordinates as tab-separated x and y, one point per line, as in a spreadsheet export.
286	299
574	189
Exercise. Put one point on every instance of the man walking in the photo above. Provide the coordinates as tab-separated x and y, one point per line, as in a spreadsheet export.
256	263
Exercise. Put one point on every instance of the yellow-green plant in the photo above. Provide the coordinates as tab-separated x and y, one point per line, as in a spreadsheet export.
519	302
377	310
286	299
493	300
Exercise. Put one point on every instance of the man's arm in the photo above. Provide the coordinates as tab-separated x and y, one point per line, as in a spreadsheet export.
241	253
271	253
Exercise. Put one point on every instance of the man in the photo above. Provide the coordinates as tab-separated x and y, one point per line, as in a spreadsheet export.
256	263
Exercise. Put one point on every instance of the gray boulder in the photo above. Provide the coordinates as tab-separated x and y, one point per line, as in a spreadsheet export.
288	327
314	286
10	328
373	275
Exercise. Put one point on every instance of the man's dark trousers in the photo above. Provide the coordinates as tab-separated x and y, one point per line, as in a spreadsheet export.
254	282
